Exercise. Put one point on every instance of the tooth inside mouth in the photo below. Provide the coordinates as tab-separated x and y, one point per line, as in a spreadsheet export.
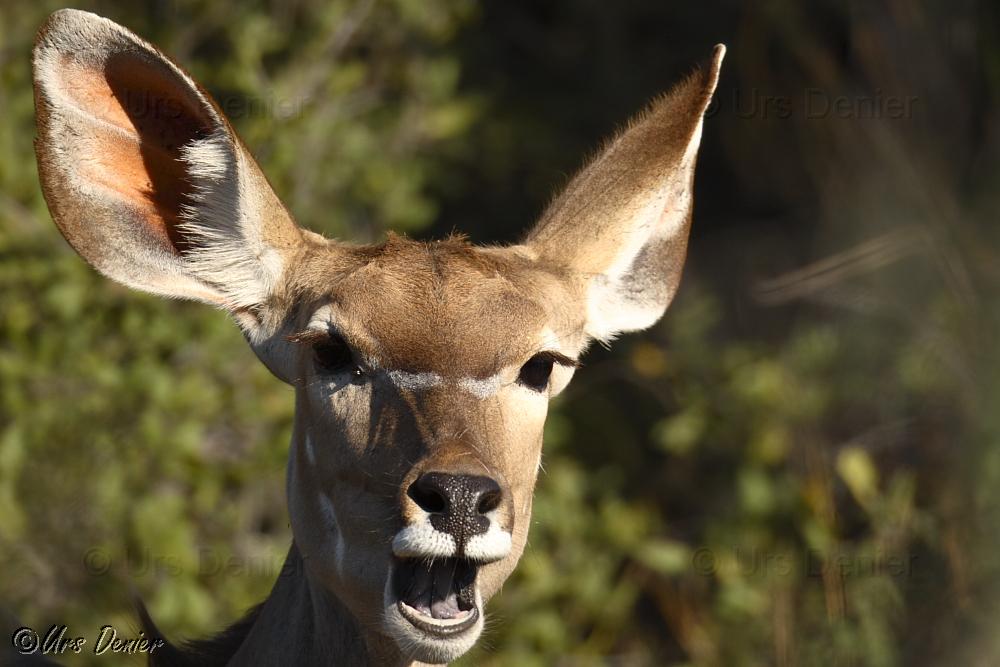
442	589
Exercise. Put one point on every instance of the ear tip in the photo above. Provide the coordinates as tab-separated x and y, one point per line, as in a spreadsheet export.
715	67
53	33
75	30
71	13
718	53
706	76
68	19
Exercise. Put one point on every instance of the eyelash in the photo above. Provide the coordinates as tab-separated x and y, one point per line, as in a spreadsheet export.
536	373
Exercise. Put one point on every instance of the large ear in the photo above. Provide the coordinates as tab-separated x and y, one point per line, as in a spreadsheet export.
622	223
144	175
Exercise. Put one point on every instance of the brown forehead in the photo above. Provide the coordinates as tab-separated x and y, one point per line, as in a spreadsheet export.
445	307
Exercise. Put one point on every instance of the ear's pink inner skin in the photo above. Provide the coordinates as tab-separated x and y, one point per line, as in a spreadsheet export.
138	123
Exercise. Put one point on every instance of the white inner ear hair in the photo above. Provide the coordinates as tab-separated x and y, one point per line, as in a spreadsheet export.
623	298
224	223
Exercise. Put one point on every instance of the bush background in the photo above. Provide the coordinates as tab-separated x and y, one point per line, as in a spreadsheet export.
800	465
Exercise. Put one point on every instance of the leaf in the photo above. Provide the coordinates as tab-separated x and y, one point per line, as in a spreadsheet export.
859	474
665	556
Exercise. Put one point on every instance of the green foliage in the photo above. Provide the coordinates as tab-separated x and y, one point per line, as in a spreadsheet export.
803	473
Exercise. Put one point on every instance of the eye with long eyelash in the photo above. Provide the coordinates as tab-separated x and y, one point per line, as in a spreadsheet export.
536	372
331	352
333	355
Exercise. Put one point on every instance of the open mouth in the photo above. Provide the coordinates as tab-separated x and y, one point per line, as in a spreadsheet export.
437	596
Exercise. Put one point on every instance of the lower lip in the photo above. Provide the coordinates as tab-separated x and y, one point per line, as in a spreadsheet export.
438	629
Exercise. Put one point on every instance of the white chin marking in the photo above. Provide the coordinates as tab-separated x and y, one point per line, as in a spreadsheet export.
422	540
490	546
416	644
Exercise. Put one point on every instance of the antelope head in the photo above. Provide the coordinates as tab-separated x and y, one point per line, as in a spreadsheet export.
422	370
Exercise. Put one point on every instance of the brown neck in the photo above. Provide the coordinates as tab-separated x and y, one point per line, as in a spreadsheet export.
301	623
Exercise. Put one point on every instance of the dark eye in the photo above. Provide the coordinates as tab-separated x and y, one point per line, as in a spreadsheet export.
535	374
333	355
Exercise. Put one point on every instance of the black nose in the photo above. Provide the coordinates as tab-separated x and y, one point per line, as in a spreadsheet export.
457	503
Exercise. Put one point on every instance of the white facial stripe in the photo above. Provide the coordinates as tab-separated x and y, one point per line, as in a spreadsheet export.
310	451
340	556
326	507
414	381
422	540
333	531
482	387
487	547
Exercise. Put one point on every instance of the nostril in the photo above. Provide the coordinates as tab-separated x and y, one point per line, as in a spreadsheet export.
456	498
489	501
429	497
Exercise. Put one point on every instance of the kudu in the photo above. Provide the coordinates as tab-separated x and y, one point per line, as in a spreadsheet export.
422	371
